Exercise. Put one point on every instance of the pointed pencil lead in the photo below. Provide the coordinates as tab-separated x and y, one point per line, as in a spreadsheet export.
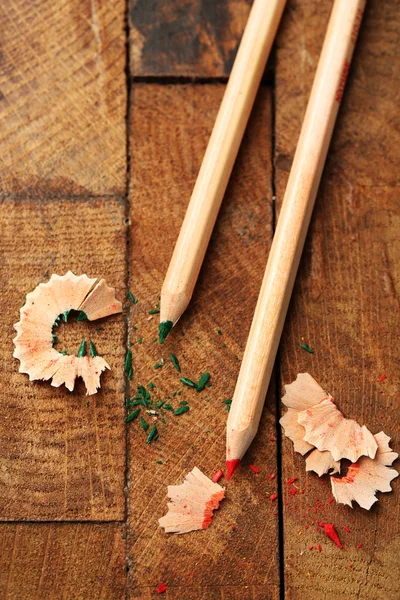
163	330
231	466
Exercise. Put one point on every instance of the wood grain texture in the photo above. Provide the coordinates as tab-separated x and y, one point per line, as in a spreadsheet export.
62	452
63	98
196	38
170	128
63	561
346	300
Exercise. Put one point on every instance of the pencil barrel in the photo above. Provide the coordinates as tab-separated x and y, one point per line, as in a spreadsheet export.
293	222
221	151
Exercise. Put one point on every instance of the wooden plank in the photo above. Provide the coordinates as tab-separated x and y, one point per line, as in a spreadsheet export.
63	98
181	38
66	561
62	452
170	128
346	299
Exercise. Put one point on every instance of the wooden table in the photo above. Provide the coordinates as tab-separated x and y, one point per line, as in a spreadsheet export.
101	143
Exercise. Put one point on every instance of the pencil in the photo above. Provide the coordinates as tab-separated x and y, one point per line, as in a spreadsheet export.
290	234
218	161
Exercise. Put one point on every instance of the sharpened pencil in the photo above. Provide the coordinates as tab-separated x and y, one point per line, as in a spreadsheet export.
291	231
218	161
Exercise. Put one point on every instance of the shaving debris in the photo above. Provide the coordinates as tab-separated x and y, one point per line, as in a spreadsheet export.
318	429
364	478
43	308
192	504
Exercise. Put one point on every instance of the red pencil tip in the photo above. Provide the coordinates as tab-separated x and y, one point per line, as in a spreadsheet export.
231	466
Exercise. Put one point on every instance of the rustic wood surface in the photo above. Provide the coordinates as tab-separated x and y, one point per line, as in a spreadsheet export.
62	452
62	560
346	301
63	98
185	39
171	126
67	203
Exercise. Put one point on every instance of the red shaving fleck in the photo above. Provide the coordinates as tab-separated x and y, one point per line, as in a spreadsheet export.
273	496
291	480
161	588
382	378
307	526
254	468
310	547
319	548
331	533
293	491
272	439
217	476
351	565
330	500
346	528
271	477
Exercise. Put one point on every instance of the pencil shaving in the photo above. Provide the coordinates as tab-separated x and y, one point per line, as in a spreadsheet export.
294	431
327	429
192	504
322	463
367	476
303	393
34	340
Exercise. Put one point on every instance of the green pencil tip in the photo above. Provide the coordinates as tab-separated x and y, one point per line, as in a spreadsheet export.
92	349
82	349
163	330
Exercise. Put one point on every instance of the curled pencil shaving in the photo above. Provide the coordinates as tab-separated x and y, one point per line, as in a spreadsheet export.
34	340
327	429
192	504
294	431
322	462
367	476
303	393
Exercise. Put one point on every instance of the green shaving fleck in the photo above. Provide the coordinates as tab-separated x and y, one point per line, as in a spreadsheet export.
144	424
132	297
154	311
228	401
307	348
181	410
57	321
128	369
133	415
82	316
53	335
168	407
159	462
202	382
152	385
92	349
183	403
219	331
163	330
175	362
160	404
188	382
65	315
143	396
140	340
158	366
153	435
82	349
64	352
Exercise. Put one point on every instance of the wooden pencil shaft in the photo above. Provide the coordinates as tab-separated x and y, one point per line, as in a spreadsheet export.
219	158
292	226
